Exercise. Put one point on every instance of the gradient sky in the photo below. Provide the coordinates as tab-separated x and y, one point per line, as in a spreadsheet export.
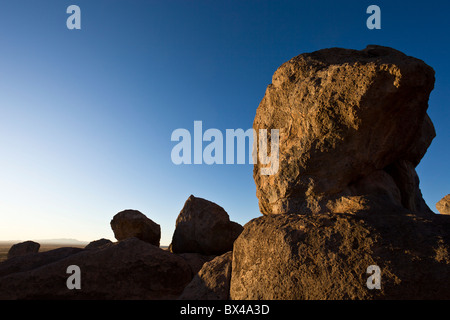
86	115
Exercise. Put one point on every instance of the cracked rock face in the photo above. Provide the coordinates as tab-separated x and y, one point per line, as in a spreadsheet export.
443	205
353	127
326	256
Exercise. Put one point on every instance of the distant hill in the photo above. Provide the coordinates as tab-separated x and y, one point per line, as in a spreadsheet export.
61	241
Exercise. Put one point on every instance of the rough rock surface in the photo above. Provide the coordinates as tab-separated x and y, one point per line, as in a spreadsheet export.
353	127
22	248
212	282
204	227
98	243
352	124
326	256
129	269
443	206
132	223
35	260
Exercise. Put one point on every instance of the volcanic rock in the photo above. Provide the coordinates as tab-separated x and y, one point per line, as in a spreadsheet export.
129	269
204	227
132	223
352	128
443	205
212	282
327	256
35	260
98	243
22	248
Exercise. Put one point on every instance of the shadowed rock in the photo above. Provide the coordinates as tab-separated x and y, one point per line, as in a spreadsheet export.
35	260
98	243
204	227
22	248
212	282
129	269
196	260
132	223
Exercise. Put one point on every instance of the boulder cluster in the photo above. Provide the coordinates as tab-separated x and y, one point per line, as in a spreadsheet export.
134	267
353	126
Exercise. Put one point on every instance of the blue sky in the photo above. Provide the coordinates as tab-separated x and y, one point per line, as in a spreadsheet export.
86	115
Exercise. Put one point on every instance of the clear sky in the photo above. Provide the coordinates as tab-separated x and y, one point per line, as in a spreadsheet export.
86	116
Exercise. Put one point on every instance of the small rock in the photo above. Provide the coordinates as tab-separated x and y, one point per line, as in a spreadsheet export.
212	282
132	223
22	248
204	227
98	243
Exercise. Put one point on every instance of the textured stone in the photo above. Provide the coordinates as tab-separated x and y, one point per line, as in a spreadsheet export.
129	269
326	256
132	223
443	206
204	227
352	124
22	248
212	282
35	260
98	243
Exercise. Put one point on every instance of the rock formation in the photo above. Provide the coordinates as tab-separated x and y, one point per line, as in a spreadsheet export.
353	127
22	248
129	269
132	223
35	260
443	205
133	268
204	227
